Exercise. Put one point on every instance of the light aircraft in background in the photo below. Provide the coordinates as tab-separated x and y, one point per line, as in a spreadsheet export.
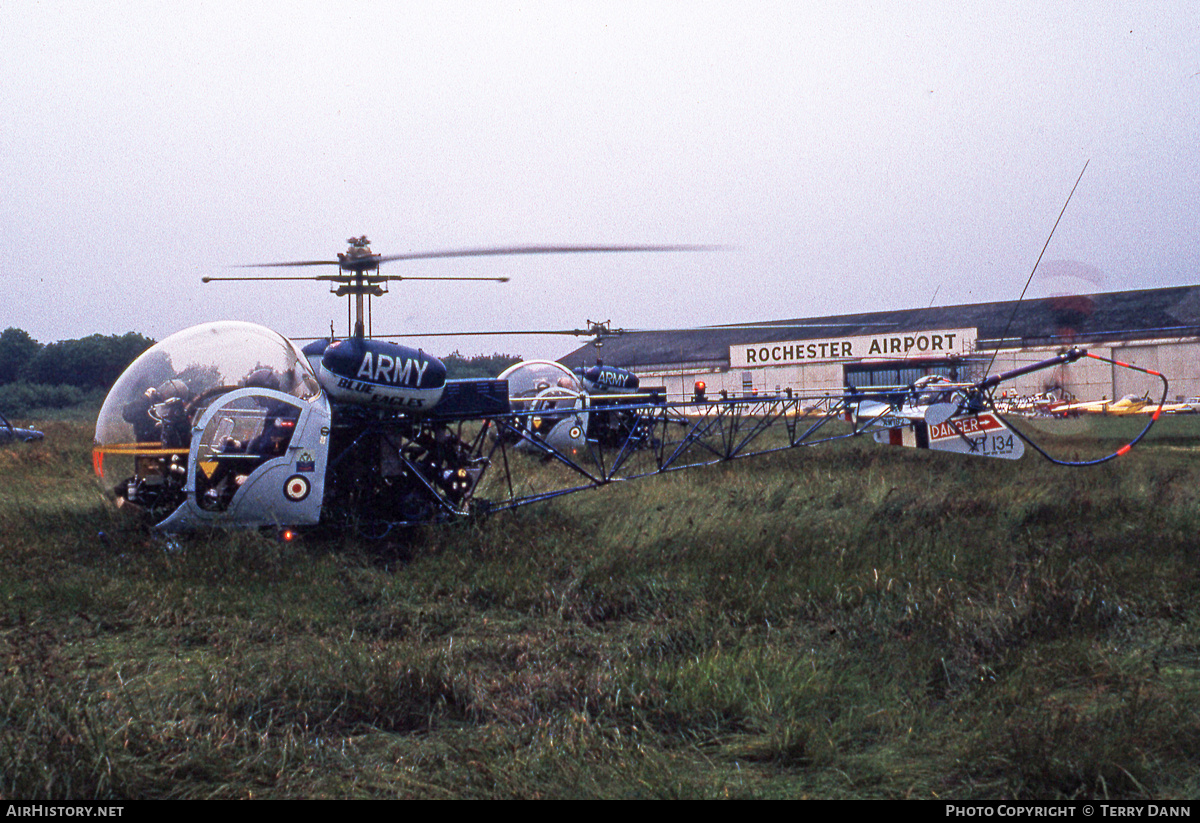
1129	404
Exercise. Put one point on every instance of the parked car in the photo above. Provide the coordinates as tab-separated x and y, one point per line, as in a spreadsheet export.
11	434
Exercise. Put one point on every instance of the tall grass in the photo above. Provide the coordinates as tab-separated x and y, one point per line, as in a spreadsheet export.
854	622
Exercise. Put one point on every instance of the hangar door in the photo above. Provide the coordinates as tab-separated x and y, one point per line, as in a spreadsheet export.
1127	381
905	372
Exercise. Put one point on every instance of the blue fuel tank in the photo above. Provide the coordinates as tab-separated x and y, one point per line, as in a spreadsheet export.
378	373
602	379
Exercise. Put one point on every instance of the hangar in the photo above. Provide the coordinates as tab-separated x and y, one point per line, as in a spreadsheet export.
1156	328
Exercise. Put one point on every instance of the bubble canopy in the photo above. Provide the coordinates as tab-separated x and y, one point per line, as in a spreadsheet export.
202	362
531	377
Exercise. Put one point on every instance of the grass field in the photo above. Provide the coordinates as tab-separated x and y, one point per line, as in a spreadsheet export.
843	622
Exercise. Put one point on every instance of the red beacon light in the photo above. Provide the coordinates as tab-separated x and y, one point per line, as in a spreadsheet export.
698	390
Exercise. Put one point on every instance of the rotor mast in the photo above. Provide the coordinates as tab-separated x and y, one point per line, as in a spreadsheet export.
357	261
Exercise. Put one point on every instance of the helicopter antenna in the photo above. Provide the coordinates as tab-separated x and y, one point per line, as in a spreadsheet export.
1013	316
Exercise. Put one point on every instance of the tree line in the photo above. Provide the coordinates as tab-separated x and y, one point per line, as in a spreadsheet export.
97	361
58	375
88	363
460	367
65	373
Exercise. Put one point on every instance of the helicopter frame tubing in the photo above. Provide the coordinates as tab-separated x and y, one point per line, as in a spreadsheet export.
713	431
396	470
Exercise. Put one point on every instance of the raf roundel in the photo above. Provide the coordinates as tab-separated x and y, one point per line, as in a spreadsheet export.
296	488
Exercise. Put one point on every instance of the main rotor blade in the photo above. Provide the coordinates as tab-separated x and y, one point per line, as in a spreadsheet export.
603	332
576	332
280	277
406	277
281	265
491	251
512	250
764	326
350	278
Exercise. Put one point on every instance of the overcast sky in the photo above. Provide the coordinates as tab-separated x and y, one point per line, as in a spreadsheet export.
859	156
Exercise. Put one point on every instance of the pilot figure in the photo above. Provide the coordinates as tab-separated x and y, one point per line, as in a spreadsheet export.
277	433
160	414
237	459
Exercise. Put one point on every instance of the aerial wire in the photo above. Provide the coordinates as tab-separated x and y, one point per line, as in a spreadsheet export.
1071	356
1013	316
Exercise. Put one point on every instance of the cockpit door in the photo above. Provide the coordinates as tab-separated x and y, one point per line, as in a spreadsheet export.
257	458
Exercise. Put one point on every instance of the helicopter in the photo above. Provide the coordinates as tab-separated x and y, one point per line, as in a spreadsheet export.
232	424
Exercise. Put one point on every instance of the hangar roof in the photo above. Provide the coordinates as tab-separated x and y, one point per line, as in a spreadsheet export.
1126	316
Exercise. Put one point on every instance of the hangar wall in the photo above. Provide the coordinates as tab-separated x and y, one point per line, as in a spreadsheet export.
1151	328
1086	379
1091	379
